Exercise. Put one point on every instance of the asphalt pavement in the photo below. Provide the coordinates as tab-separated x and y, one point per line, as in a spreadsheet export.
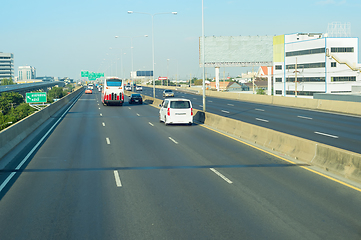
338	130
110	172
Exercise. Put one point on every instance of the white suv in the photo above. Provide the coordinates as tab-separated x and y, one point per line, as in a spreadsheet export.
176	110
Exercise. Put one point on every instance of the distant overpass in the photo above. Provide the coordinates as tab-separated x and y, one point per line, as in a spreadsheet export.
28	87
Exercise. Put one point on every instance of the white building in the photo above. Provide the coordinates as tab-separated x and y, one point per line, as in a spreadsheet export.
26	73
320	64
6	65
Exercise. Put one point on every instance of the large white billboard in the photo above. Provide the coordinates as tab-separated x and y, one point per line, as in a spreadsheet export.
244	51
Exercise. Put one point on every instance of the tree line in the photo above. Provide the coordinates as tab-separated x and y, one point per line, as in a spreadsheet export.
13	107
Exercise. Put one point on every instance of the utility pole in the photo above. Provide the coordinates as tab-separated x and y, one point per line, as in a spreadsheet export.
252	79
224	78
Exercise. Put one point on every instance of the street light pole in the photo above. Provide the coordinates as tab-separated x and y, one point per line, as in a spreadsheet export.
167	71
153	55
131	51
152	15
203	61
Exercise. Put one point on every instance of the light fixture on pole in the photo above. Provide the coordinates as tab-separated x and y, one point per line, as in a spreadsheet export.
152	15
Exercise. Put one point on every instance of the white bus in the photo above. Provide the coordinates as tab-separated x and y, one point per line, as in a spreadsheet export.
113	91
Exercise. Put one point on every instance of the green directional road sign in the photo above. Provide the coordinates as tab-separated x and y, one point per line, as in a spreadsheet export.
91	75
36	97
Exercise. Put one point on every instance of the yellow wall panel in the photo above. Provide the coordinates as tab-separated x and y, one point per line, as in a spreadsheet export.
279	48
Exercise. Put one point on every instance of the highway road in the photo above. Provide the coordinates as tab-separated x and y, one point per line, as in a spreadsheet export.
338	130
118	173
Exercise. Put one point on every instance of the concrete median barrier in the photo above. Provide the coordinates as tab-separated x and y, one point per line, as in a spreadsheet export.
338	161
13	135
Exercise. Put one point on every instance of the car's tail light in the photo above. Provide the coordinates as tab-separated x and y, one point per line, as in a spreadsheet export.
168	112
122	97
191	111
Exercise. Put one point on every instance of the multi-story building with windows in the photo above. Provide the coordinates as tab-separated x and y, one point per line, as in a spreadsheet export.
26	73
308	63
6	65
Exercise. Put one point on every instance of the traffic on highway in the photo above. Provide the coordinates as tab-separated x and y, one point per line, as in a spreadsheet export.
338	130
117	172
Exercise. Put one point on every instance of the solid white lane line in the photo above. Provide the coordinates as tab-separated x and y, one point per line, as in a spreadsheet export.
257	109
173	140
108	141
117	179
7	180
36	146
103	124
221	175
263	120
230	104
327	135
305	117
151	124
224	111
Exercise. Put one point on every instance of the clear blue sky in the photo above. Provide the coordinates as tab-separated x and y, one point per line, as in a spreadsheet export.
61	38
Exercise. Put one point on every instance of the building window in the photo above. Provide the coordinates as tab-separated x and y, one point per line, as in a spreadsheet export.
342	49
278	92
306	52
306	79
278	67
306	65
303	93
343	79
278	79
333	64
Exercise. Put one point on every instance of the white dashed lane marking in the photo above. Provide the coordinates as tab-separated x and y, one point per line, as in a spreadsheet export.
221	175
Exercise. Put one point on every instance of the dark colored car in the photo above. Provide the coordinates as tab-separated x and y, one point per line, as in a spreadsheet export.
135	98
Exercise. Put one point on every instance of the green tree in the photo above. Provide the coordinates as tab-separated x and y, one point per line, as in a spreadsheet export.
55	93
7	81
261	91
10	100
15	114
198	82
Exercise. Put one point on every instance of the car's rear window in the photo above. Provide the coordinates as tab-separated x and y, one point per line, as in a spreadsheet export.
136	95
180	104
114	83
168	91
